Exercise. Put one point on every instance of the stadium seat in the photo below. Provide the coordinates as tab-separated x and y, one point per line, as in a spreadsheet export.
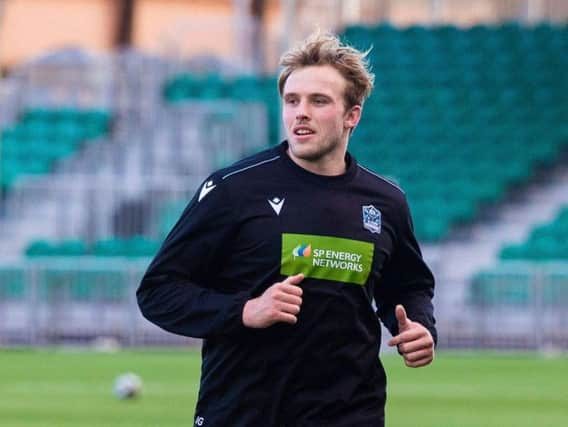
42	248
473	95
450	108
133	247
43	136
546	242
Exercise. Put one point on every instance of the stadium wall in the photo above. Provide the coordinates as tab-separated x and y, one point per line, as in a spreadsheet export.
30	28
223	28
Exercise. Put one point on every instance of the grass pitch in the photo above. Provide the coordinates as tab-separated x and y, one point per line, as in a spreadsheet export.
64	388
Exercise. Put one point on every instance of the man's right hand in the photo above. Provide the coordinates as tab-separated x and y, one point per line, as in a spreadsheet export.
279	303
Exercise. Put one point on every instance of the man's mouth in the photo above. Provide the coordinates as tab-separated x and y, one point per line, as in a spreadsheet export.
302	131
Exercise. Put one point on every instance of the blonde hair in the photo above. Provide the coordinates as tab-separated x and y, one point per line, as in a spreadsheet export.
327	49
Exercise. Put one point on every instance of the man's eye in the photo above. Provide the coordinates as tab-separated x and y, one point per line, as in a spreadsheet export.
320	101
291	101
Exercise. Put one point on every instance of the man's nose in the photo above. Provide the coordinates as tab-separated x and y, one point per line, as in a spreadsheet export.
302	112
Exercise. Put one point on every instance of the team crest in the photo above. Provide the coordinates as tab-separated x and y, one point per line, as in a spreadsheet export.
372	219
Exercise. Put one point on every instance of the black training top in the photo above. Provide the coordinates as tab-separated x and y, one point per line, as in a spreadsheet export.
255	223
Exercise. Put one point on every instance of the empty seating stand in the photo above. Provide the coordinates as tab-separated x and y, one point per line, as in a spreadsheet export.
211	87
130	248
458	117
449	112
532	272
546	242
44	136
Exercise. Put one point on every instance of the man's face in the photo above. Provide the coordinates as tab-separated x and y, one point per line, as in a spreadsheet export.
316	121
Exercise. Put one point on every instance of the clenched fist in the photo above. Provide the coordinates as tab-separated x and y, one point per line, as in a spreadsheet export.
279	303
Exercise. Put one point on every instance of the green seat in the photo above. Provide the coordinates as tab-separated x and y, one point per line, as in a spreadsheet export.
451	107
133	247
141	247
72	248
40	248
431	229
44	136
546	242
109	247
512	252
52	248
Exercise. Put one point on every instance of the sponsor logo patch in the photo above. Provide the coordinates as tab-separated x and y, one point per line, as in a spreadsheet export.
324	257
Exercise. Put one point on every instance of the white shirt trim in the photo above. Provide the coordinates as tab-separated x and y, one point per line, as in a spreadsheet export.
250	167
381	178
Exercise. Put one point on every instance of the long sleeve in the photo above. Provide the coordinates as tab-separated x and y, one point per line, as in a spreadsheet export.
406	280
179	292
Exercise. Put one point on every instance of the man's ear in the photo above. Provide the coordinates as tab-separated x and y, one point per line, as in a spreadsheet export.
352	117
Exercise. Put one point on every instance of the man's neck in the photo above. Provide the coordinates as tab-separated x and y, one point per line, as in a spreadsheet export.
329	166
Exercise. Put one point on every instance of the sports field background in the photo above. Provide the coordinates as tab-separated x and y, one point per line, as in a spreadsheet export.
74	388
474	90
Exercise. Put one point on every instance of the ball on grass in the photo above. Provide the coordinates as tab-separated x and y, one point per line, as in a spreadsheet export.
127	386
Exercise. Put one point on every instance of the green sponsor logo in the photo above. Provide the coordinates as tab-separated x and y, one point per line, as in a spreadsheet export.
329	258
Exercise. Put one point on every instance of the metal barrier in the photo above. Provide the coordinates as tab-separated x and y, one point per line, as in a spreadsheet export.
88	300
516	305
76	301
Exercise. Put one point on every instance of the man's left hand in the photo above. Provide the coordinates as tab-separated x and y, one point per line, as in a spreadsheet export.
414	341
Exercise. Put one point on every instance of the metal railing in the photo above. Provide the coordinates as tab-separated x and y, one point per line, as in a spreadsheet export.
75	301
516	305
87	300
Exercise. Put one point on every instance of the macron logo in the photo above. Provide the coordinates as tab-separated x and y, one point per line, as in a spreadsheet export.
276	204
206	189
